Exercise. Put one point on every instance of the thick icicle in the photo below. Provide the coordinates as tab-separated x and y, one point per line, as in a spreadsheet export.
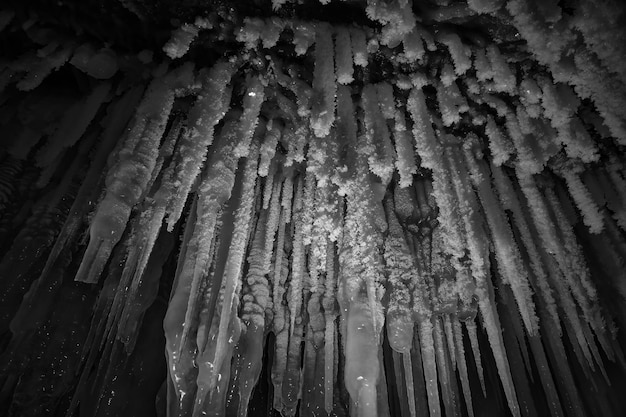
343	56
507	253
127	179
298	258
213	192
252	101
378	144
210	107
232	270
405	164
362	367
256	296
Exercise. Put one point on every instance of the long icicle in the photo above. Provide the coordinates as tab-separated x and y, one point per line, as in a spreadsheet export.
232	269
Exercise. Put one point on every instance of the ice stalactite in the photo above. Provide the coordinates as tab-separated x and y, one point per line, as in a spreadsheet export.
362	366
211	106
324	82
343	56
256	298
231	280
181	39
126	180
403	274
390	215
507	253
378	143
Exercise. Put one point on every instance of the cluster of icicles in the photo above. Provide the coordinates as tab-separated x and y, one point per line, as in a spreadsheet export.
332	213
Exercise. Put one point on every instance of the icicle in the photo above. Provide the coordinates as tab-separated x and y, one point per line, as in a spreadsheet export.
270	184
507	253
447	328
503	77
362	367
447	74
559	269
402	275
303	37
343	56
413	46
510	202
578	143
271	32
330	311
256	295
378	145
280	325
408	377
359	46
425	142
572	266
210	107
526	159
252	101
486	303
559	102
462	366
586	290
181	39
362	240
458	51
286	198
329	369
250	32
500	145
468	210
470	326
443	369
583	198
405	164
430	151
482	65
268	148
419	382
232	269
213	192
396	17
346	137
430	366
165	153
451	104
126	180
273	224
208	375
312	390
519	374
324	85
297	260
293	373
386	100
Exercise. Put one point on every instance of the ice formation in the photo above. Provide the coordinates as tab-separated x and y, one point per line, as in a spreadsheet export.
395	217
